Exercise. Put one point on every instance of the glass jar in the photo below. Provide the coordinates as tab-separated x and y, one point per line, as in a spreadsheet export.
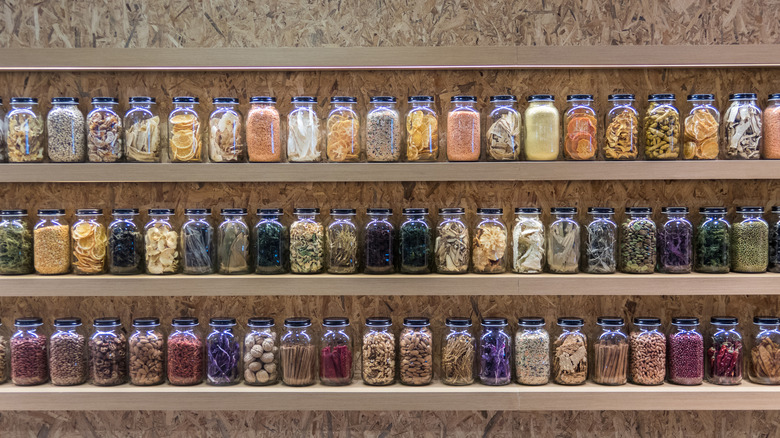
270	242
702	126
104	131
774	241
223	353
298	353
416	352
765	351
638	241
68	356
263	131
712	253
528	241
142	130
89	242
261	352
542	128
51	243
675	242
452	242
125	244
379	240
343	131
416	242
107	353
580	141
336	352
422	130
378	352
146	352
686	352
186	357
24	135
495	352
458	352
226	131
505	124
5	352
16	243
3	134
742	122
342	241
724	352
185	137
662	128
570	353
488	253
532	352
599	250
610	352
750	241
463	129
622	136
233	242
65	130
303	131
771	128
307	246
383	130
648	352
563	241
198	252
29	359
162	243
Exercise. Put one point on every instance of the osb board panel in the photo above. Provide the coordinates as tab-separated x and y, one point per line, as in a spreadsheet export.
243	23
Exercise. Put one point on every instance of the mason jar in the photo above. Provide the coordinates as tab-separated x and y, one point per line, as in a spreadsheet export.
307	246
186	355
542	128
489	248
415	355
383	130
198	245
600	242
68	357
89	242
304	134
336	352
416	242
570	353
65	129
29	359
580	141
724	359
161	242
223	353
125	244
712	241
104	131
648	352
675	241
749	241
453	247
343	126
422	130
463	129
743	131
638	241
146	347
379	241
503	135
528	241
3	133
458	352
610	352
185	136
261	352
51	243
270	242
771	147
532	352
24	136
495	352
621	140
685	357
16	242
662	128
143	131
342	240
298	353
378	352
226	131
764	366
702	127
263	131
107	353
233	242
563	241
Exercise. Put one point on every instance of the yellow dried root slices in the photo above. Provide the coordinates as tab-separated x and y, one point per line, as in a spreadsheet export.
161	244
185	139
343	142
89	248
422	136
701	136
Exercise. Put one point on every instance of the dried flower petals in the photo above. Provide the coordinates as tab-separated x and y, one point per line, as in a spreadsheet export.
489	248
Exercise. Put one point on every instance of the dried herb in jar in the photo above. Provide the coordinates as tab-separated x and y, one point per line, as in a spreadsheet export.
563	247
774	243
457	359
570	359
528	242
306	247
233	253
765	361
224	353
16	249
495	354
675	242
490	243
600	244
712	250
342	242
532	355
415	246
452	243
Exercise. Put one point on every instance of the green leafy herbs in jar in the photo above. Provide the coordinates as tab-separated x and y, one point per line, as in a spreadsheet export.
307	242
749	241
416	244
711	245
638	241
16	246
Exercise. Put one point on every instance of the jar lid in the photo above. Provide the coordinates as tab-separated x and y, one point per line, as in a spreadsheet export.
233	100
750	209
260	322
530	321
420	99
452	210
142	99
417	322
343	99
303	99
494	322
222	322
185	321
297	322
13	212
458	321
146	322
713	210
67	322
335	322
32	100
88	211
106	322
233	211
571	97
161	211
379	210
563	210
571	322
270	211
343	211
695	97
528	210
463	98
773	96
660	96
540	98
647	320
490	211
415	211
766	320
186	99
28	322
503	98
262	99
197	211
51	212
673	210
610	321
743	96
728	320
306	210
639	210
124	211
65	100
685	320
613	97
113	100
601	210
379	321
385	99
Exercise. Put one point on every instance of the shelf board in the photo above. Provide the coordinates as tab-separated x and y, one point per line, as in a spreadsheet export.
358	396
358	172
391	58
397	284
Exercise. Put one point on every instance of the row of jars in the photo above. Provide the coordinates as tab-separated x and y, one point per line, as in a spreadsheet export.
540	134
637	245
493	356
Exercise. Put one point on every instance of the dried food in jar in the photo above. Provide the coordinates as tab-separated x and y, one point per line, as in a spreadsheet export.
379	240
580	142
342	248
570	359
415	244
89	247
743	130
185	359
29	360
701	136
771	128
600	243
104	137
226	143
662	131
125	248
675	242
712	243
495	353
463	130
416	357
24	137
303	136
186	138
67	358
725	362
261	358
146	357
5	357
223	356
66	128
306	247
638	245
343	142
270	244
108	358
532	357
489	249
452	247
422	136
143	140
197	243
621	137
378	353
51	249
610	362
648	357
263	133
504	137
383	135
336	364
563	247
233	256
685	353
162	255
749	246
16	249
528	243
457	359
765	361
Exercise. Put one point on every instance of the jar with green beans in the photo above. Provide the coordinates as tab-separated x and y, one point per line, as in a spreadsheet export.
749	241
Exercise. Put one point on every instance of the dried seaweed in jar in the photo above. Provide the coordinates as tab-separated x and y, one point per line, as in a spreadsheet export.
563	247
306	247
16	248
452	247
415	247
528	244
270	247
504	137
743	123
233	256
342	248
600	247
489	249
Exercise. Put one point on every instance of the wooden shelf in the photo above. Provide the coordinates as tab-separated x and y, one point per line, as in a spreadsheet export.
358	396
394	58
398	284
337	172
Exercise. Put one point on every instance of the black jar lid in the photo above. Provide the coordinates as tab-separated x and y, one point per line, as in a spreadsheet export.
337	321
233	211
233	100
563	210
21	212
297	321
452	210
647	320
750	209
270	211
674	210
379	211
186	99
503	98
613	97
417	321
28	321
420	98
88	211
660	96
65	100
614	321
185	321
142	99
528	210
67	322
161	211
32	100
463	98
222	322
260	321
197	211
112	100
773	96
766	320
639	210
262	99
415	211
306	210
303	99
458	321
530	321
383	99
571	97
490	211
540	98
743	96
494	322
568	321
727	320
127	211
51	212
601	210
685	320
713	210
343	211
106	322
343	99
379	321
146	322
695	97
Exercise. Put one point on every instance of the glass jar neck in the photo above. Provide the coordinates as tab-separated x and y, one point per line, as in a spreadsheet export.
107	328
750	215
531	328
196	217
768	327
14	218
676	216
612	329
146	328
494	328
263	105
743	101
622	102
701	103
464	105
87	217
451	216
124	217
539	103
67	328
306	216
489	216
686	327
601	216
414	216
632	216
308	105
185	328
724	327
378	217
648	327
222	328
159	217
660	102
578	103
571	329
27	328
104	106
23	106
563	216
714	216
232	106
139	105
343	217
416	105
232	217
184	105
